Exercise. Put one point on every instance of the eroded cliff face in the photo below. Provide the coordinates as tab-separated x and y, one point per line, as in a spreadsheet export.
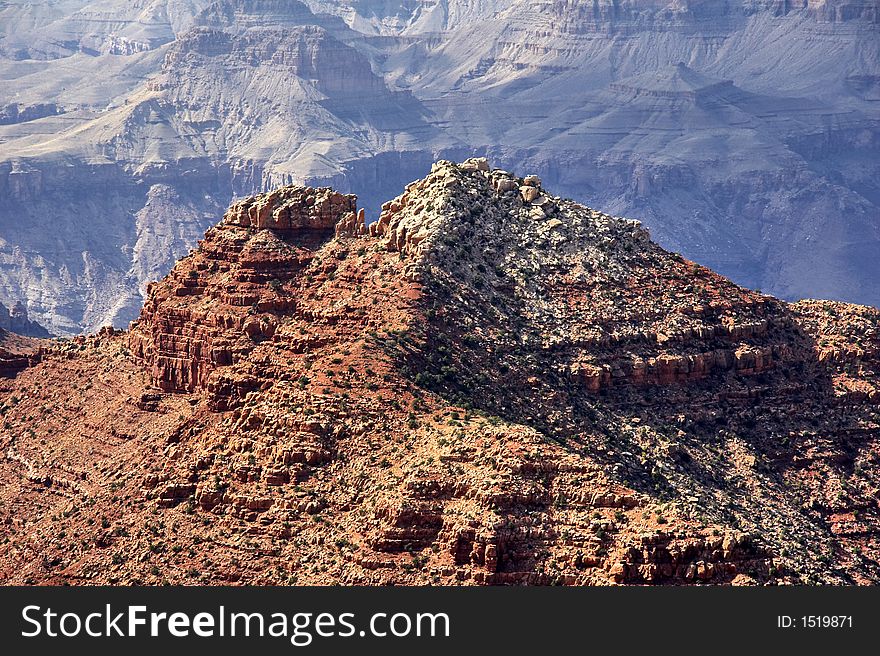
16	320
261	245
491	384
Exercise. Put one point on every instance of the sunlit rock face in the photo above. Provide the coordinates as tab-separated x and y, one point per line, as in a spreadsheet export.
490	384
742	133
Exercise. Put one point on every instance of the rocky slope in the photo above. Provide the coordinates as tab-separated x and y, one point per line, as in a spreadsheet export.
742	133
490	384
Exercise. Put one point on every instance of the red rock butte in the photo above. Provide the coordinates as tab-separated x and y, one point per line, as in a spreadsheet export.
487	385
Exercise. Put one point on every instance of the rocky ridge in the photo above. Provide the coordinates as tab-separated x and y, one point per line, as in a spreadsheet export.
490	384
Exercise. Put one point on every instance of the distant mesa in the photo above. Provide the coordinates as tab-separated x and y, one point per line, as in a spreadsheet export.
672	81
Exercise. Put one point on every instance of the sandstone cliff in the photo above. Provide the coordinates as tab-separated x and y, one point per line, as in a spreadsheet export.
491	384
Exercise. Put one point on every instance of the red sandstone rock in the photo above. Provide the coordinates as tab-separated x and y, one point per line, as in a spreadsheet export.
472	391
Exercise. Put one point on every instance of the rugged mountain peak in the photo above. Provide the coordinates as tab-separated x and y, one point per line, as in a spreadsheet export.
525	270
461	198
207	312
294	208
490	385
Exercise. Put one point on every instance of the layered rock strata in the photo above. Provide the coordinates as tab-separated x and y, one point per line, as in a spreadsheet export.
489	385
262	243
